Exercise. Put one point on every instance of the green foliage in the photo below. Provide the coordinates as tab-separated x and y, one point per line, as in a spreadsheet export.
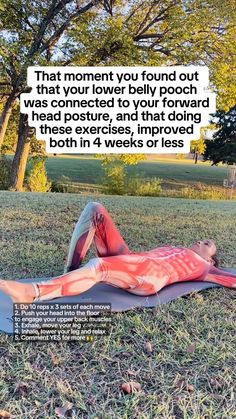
138	186
126	159
140	32
63	185
114	176
163	32
29	34
223	70
201	191
106	41
37	180
198	146
223	146
11	135
5	172
115	170
117	180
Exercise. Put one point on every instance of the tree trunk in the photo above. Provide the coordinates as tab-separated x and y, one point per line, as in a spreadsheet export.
22	151
6	113
196	157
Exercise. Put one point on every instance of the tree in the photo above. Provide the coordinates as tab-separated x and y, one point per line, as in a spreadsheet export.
32	32
38	180
223	146
163	33
223	72
197	147
25	133
142	32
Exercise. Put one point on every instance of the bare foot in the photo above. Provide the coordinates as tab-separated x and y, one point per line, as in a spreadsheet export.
19	292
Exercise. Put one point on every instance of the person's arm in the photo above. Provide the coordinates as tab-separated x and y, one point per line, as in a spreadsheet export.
219	276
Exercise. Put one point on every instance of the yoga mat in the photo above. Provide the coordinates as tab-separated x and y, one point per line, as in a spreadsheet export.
102	293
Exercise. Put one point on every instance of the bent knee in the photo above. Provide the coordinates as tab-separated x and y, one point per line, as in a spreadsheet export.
94	206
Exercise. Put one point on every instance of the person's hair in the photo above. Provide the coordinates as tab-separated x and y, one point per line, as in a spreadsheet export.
215	259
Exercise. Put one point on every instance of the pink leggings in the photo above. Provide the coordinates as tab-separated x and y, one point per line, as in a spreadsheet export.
94	225
116	264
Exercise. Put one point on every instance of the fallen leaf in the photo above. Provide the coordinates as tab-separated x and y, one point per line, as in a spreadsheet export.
22	388
184	385
131	387
61	411
216	384
190	387
55	359
4	414
148	347
191	349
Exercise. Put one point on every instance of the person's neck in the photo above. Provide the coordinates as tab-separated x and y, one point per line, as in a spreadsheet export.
200	257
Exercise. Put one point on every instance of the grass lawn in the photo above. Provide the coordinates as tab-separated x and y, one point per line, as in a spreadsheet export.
175	173
191	371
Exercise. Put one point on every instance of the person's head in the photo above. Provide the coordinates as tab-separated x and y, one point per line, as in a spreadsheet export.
207	250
